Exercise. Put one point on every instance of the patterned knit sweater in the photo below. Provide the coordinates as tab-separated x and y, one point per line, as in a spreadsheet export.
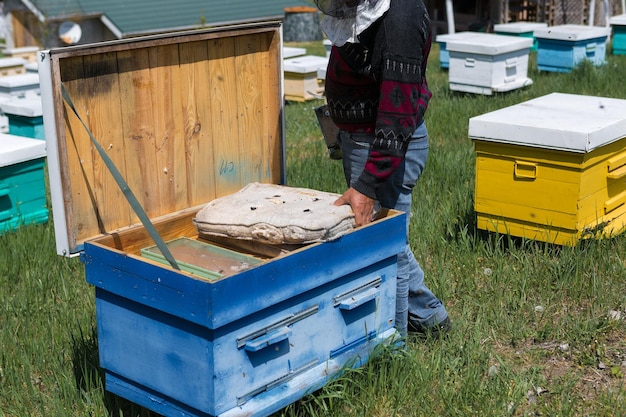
378	86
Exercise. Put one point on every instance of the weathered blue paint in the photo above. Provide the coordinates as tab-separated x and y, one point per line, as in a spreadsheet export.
183	346
266	402
564	56
216	304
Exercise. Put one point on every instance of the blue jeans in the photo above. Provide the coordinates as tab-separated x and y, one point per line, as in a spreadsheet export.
414	300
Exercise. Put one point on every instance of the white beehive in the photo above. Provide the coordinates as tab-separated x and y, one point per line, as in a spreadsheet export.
301	79
488	63
443	39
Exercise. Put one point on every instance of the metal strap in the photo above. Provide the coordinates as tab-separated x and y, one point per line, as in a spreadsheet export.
132	200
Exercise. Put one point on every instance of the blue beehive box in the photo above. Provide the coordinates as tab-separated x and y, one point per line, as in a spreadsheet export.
561	48
618	24
187	118
22	187
25	116
523	29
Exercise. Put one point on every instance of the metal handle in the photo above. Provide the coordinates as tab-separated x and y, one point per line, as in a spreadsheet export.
525	170
269	338
275	332
358	296
357	300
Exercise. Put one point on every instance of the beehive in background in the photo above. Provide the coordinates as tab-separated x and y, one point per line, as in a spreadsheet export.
443	39
552	168
488	63
618	25
25	116
523	29
301	77
22	186
561	48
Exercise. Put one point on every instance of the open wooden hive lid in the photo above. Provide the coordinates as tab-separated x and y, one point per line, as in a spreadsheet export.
186	117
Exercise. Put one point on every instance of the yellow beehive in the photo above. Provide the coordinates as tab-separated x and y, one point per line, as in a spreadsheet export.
552	169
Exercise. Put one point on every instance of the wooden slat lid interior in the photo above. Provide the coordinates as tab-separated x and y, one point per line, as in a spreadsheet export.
186	118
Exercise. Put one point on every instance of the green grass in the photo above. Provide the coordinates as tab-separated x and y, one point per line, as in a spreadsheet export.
534	329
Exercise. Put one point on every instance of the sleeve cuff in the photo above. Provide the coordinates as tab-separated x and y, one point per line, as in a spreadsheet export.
366	185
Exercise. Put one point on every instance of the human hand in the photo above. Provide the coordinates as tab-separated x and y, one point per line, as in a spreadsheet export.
362	206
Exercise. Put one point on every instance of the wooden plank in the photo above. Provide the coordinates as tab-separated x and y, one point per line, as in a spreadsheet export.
197	108
132	239
75	153
252	125
272	127
275	128
547	171
527	230
595	175
105	122
541	195
541	155
26	29
138	122
165	84
224	77
259	127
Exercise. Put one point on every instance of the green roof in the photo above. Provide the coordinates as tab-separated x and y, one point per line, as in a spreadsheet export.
132	17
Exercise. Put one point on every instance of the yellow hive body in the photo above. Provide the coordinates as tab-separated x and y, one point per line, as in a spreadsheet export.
545	172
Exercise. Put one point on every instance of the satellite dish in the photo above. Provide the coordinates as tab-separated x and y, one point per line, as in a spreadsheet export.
70	32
